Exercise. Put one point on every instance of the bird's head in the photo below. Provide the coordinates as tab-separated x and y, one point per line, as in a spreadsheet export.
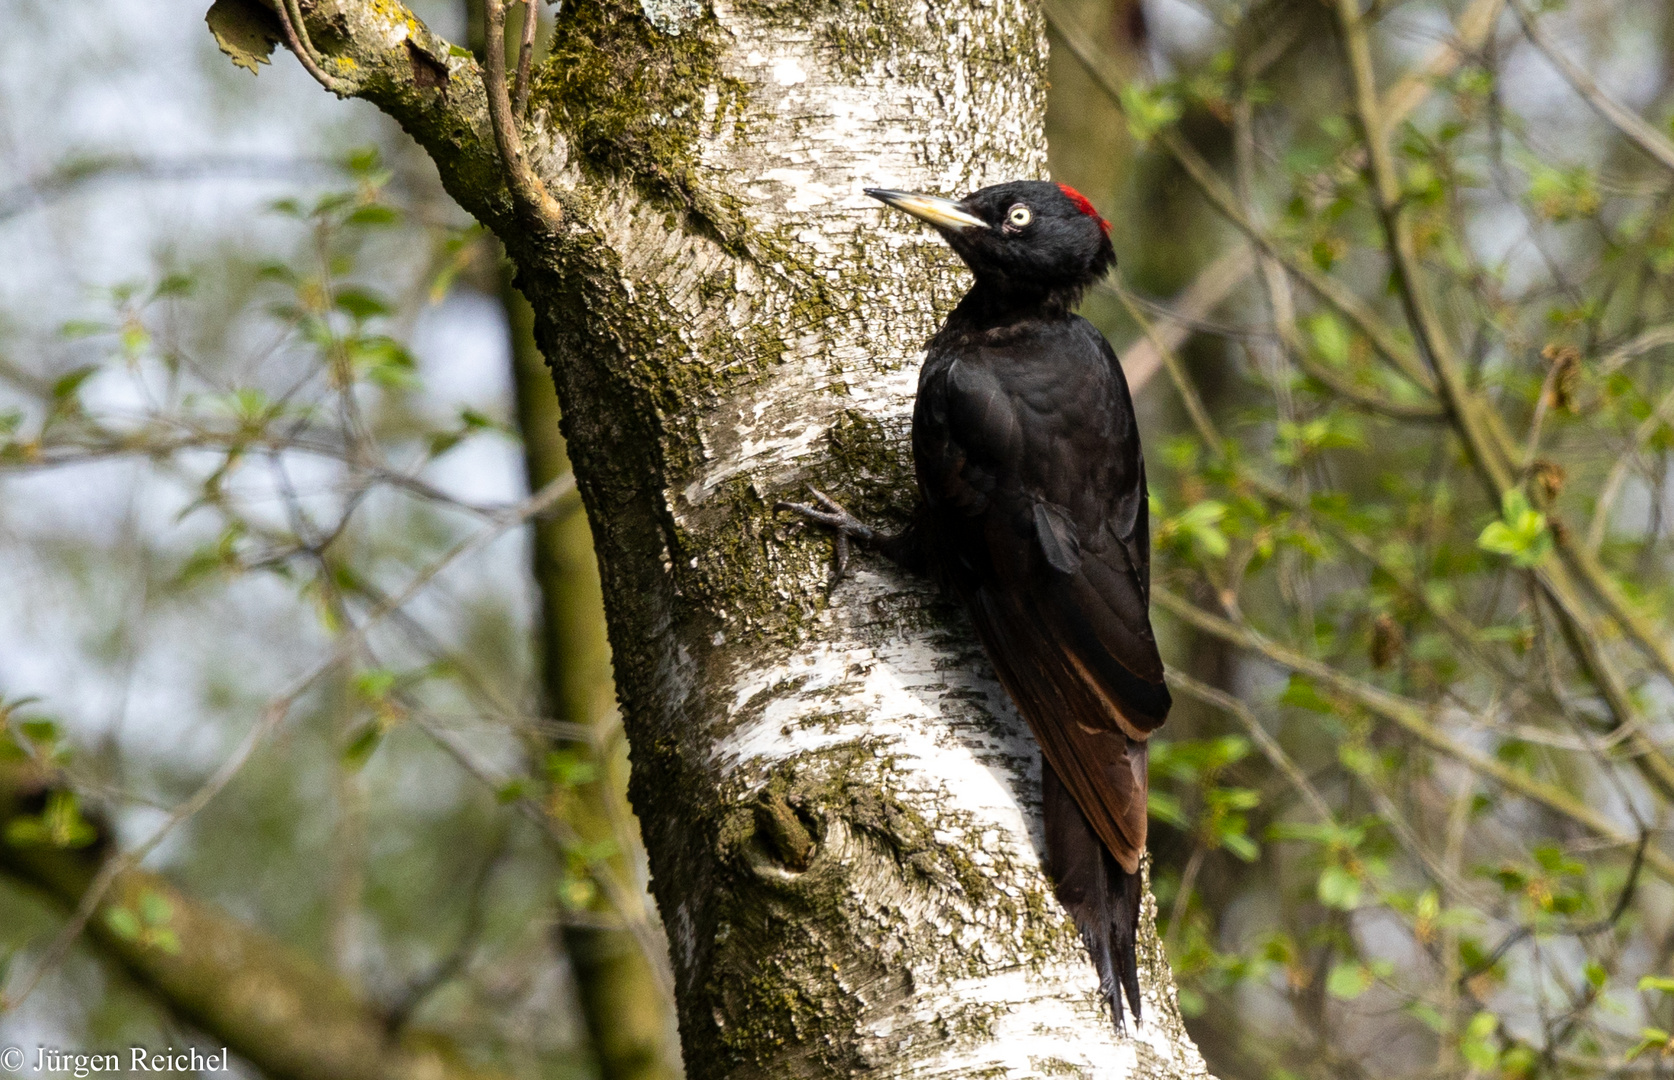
1028	236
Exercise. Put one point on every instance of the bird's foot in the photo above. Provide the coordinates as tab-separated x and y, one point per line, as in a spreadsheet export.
829	514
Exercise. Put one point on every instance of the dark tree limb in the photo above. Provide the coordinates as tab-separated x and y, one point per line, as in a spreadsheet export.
285	1014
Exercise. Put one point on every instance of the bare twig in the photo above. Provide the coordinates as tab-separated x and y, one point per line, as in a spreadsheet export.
525	60
476	911
71	176
1265	742
1142	357
296	38
1625	120
623	901
1599	926
537	205
1412	717
1654	338
1648	427
275	712
1475	26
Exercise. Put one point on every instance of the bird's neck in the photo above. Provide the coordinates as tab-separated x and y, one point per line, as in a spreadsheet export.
992	304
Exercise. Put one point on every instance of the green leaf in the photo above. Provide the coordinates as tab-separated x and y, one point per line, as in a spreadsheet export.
1476	1044
568	768
1338	888
134	337
1348	981
373	215
1241	846
384	361
1650	1038
1165	807
1665	983
362	745
1148	109
124	924
1330	338
164	939
1201	524
82	328
1561	195
374	684
68	384
360	303
1520	533
174	285
155	909
363	160
59	825
1301	693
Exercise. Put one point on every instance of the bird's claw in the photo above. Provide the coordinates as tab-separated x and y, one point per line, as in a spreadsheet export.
830	514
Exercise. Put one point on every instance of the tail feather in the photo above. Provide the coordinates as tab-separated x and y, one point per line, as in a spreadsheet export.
1100	896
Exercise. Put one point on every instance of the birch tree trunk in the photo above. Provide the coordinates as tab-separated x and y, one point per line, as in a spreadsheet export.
839	803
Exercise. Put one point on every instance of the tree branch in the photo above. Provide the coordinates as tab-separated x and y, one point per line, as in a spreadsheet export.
1475	419
1625	120
539	209
297	40
1223	276
288	1016
1411	717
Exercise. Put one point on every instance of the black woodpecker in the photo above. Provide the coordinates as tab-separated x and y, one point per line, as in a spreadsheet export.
1033	511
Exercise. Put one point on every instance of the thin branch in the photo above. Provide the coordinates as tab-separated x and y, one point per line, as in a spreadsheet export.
278	1009
1142	357
1265	742
537	205
1476	421
71	176
631	911
476	912
1654	338
1476	25
1599	926
1625	120
296	38
1413	718
1648	427
1333	292
276	710
1182	383
525	60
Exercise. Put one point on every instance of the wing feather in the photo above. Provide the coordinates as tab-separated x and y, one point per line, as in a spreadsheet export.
1036	488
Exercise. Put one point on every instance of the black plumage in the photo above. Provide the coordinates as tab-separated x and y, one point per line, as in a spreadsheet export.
1034	512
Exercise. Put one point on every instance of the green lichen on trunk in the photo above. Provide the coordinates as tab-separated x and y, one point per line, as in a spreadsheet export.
635	101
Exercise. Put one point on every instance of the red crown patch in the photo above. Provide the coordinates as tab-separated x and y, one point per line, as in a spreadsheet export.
1085	205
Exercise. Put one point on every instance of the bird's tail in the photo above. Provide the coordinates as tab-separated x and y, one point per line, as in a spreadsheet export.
1100	896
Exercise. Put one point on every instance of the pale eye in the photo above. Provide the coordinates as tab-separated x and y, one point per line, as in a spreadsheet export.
1020	216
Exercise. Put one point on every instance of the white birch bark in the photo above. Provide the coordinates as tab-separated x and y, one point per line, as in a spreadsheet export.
840	806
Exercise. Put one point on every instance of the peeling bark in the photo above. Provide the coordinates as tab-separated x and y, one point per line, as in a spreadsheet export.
839	803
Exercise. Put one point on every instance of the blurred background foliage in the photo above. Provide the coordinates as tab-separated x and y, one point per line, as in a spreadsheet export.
286	522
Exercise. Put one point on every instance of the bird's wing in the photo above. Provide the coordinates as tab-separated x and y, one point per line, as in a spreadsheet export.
1084	484
1039	494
